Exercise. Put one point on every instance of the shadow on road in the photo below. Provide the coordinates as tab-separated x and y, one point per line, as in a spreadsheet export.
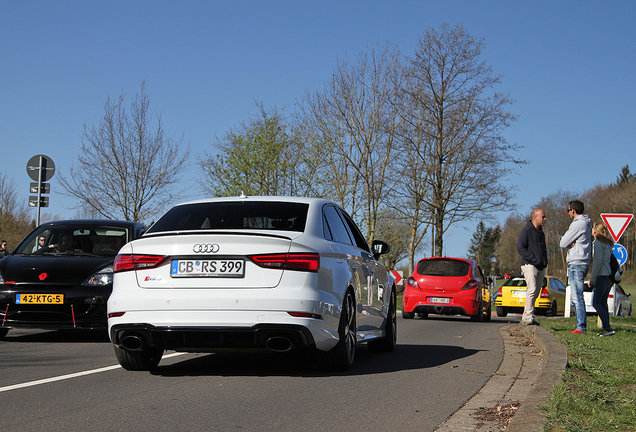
57	336
309	364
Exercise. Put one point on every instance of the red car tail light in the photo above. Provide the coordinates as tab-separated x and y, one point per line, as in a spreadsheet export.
309	262
544	293
471	284
499	293
137	262
412	282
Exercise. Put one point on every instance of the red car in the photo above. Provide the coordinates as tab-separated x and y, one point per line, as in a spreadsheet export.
447	286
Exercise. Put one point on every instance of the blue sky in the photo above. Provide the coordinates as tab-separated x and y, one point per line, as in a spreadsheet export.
570	66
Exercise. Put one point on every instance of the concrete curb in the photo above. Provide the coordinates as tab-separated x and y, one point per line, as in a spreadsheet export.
530	415
533	363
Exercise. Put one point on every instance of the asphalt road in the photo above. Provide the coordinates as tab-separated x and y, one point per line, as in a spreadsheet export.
70	381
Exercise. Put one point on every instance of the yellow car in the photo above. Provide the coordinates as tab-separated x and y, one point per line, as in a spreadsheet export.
511	297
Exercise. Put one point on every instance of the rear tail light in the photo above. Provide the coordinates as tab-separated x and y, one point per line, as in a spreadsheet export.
137	262
305	315
499	293
544	293
471	284
412	282
309	262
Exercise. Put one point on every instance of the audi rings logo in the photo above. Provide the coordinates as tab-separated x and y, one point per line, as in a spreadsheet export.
206	248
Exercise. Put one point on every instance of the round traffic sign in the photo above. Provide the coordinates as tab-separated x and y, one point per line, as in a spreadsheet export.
40	168
620	252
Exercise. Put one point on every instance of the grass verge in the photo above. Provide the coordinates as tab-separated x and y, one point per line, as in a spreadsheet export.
598	392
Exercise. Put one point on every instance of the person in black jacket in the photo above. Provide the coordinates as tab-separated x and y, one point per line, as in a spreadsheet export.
534	260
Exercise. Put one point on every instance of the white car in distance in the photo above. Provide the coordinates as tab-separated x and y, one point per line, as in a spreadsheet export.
276	273
618	301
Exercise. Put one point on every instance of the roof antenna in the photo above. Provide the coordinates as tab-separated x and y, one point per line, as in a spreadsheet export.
242	195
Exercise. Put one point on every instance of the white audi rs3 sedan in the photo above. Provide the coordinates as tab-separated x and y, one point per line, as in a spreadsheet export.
271	273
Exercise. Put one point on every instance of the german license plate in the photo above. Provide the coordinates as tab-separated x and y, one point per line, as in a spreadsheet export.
208	268
519	293
440	300
39	298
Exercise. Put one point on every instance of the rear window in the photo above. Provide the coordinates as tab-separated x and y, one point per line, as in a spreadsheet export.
443	267
258	215
517	281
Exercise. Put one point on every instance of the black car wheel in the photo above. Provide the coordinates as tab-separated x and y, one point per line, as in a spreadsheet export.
145	359
501	312
479	316
488	313
389	341
340	358
553	310
407	315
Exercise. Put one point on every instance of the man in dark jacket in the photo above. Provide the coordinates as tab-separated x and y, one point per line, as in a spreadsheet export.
534	260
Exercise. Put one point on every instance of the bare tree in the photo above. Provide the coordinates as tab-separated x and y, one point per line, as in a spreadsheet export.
465	154
392	228
14	217
349	130
128	165
412	193
507	256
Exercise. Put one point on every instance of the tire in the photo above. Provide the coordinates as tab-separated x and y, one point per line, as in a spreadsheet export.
389	341
552	312
479	316
144	360
340	358
501	312
3	332
407	315
488	313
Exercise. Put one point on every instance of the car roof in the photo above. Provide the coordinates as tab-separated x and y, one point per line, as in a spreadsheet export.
91	222
468	260
267	198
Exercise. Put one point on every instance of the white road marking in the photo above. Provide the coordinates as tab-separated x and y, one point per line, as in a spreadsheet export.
69	376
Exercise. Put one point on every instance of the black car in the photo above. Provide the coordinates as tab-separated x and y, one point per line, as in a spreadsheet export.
61	275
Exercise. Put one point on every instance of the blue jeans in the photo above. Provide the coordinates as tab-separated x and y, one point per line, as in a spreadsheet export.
602	288
576	276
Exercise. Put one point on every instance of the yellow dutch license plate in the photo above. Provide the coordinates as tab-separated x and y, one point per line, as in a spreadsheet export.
39	298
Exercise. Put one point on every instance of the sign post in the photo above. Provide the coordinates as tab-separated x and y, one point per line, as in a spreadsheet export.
40	168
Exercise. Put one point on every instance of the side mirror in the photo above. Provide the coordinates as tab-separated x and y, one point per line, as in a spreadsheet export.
380	248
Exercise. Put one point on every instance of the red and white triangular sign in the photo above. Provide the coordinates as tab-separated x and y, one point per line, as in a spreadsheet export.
617	223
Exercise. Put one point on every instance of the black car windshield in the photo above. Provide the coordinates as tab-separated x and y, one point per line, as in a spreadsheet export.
443	267
74	239
257	215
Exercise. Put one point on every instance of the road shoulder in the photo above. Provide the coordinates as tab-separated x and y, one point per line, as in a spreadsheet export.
533	362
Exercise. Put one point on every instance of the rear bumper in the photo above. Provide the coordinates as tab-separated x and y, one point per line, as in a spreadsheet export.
461	303
276	337
441	310
538	304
